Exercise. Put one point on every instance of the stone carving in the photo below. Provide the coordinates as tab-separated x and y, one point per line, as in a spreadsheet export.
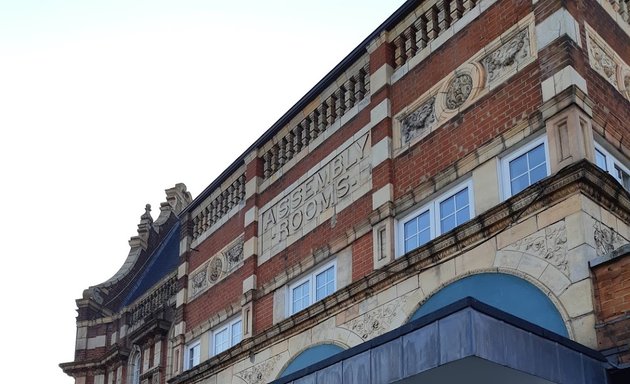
606	239
418	121
509	54
156	300
215	269
458	91
602	63
259	373
626	83
377	321
234	255
549	244
199	281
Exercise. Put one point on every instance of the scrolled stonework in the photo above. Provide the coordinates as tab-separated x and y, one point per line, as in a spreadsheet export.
215	269
602	62
419	121
377	321
458	91
506	57
234	254
606	239
259	373
548	244
199	281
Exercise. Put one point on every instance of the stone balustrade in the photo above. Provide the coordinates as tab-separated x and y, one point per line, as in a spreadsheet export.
158	298
622	7
429	26
219	206
338	103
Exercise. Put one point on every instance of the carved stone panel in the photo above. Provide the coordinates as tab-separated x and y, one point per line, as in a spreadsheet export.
259	373
507	58
602	62
458	91
215	269
234	255
606	239
199	281
419	122
549	244
377	321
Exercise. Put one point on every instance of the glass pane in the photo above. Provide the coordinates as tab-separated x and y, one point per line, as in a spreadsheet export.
423	221
411	227
325	283
447	207
518	166
463	216
424	236
236	333
600	160
301	297
536	156
519	184
220	341
461	199
411	243
448	223
538	173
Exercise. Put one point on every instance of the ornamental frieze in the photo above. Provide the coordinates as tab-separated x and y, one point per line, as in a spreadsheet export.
377	321
458	90
259	373
507	57
418	122
606	239
607	63
549	244
216	268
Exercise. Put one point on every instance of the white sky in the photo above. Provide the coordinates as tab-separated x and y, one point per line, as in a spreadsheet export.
104	104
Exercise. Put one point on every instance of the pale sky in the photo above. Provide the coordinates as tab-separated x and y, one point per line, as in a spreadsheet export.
104	104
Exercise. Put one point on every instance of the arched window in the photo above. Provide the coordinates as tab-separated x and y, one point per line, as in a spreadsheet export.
505	292
135	368
311	356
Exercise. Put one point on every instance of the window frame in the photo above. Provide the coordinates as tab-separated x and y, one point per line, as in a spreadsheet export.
311	278
612	162
190	346
433	207
136	364
228	327
505	177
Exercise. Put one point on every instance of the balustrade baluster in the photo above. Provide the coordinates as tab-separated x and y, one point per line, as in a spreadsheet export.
456	10
282	152
432	23
444	17
400	57
359	91
410	42
366	78
350	96
274	159
340	102
322	111
468	5
241	188
267	164
421	32
289	150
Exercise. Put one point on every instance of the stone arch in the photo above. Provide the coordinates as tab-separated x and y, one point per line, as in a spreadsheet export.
541	307
134	365
310	355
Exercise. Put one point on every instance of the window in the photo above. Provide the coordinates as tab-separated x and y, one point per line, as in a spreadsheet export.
193	351
525	167
312	288
226	336
438	216
135	369
610	164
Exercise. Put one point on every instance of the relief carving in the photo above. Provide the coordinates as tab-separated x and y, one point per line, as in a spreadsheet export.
507	56
199	281
626	83
259	373
216	269
549	244
606	239
234	255
603	63
458	91
418	121
377	321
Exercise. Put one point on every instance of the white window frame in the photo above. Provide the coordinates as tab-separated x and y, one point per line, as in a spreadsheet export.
227	326
611	163
433	207
311	279
136	363
189	347
506	188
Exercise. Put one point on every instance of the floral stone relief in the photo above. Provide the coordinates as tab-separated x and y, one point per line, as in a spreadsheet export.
259	373
606	239
603	63
549	244
418	122
458	91
506	57
377	321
